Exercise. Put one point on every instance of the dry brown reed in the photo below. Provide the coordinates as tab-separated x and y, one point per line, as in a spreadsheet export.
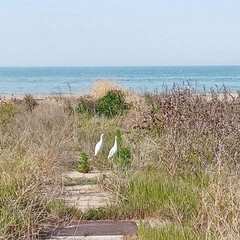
190	134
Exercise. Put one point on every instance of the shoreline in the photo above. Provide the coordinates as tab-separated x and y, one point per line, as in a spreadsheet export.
40	97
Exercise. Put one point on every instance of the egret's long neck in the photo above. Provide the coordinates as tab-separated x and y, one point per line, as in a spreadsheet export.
115	143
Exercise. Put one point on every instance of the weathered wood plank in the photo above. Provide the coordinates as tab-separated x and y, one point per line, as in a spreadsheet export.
97	228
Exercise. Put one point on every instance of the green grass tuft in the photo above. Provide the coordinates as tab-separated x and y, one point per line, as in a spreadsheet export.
168	232
112	104
61	210
151	193
80	181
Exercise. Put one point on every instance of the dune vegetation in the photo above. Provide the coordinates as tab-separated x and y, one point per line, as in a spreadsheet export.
176	170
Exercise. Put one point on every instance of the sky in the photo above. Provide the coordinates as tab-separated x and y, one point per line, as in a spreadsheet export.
119	32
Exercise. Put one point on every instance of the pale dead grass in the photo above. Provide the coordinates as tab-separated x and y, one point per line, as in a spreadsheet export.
134	98
101	87
221	96
220	204
35	147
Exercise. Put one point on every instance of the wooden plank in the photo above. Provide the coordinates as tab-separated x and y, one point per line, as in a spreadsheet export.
97	228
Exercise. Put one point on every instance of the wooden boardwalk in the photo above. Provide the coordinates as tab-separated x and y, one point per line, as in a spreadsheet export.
83	197
86	196
96	230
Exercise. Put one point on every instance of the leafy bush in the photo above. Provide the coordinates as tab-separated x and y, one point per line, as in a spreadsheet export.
7	108
7	111
83	165
112	104
86	105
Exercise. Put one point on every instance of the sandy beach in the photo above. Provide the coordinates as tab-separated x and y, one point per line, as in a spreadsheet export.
40	97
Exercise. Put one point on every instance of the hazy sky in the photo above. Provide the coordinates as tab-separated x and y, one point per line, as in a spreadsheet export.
119	32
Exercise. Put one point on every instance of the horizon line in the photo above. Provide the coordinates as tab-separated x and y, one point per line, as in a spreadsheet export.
62	66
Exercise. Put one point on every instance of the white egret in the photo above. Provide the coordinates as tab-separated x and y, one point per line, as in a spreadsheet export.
99	146
113	149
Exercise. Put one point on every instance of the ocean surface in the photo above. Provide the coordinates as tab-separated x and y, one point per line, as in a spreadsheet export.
49	80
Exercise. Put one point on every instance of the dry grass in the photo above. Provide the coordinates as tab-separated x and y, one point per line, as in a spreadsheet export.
34	145
194	142
196	139
101	87
184	163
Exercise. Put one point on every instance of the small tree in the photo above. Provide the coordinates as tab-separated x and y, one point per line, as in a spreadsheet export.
112	104
83	165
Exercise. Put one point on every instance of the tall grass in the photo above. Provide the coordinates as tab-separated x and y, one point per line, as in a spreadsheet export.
197	136
32	150
22	197
192	139
178	162
169	232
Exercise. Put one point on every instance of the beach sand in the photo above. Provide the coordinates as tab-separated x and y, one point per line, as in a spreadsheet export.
40	97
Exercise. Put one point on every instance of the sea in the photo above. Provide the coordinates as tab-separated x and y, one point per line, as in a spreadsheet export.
79	80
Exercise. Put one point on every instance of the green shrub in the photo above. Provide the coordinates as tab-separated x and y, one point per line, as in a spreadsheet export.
124	157
83	165
112	104
86	105
7	111
7	108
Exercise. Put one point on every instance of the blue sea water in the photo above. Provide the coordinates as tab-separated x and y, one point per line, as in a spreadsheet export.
48	80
